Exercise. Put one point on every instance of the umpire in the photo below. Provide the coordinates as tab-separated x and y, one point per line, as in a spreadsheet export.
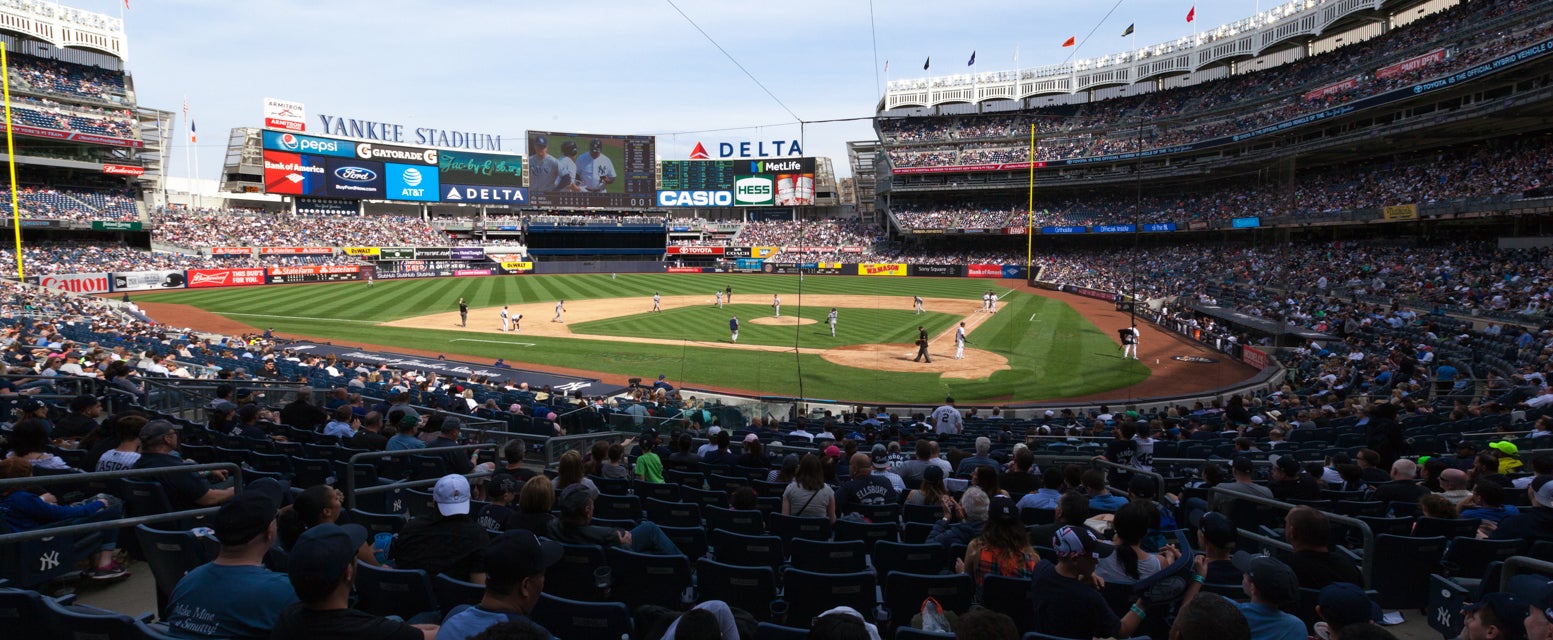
922	345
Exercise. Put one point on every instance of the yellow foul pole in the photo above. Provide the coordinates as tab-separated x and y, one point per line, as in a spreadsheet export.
10	152
1030	213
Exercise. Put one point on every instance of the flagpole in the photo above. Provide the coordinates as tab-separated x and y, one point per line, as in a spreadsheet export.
193	144
10	152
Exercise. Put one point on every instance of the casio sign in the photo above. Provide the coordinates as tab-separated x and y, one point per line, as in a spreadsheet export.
356	174
695	199
753	190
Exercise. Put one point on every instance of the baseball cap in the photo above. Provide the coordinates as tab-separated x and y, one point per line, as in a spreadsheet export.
1343	604
247	514
516	555
222	406
247	412
500	484
1071	541
1050	413
832	451
750	437
714	430
156	429
574	499
1505	446
661	376
1288	465
29	405
451	495
451	424
595	145
409	421
1257	420
933	472
1002	508
881	461
541	141
1217	529
1274	580
323	552
1242	465
568	146
1509	608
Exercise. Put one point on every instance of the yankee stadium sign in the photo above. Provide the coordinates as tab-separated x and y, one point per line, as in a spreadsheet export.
422	136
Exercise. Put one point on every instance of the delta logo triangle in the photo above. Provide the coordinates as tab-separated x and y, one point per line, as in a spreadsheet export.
452	194
699	153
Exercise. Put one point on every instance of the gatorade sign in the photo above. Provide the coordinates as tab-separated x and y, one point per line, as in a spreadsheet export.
754	191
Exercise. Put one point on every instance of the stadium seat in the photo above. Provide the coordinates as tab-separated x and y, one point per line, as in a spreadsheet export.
573	576
452	592
909	633
171	555
656	490
393	592
867	532
769	631
672	514
746	522
643	579
1468	559
704	497
810	594
904	593
691	541
22	609
893	556
617	507
1011	596
789	527
820	556
1401	569
612	486
375	523
746	551
1449	528
749	588
74	622
567	618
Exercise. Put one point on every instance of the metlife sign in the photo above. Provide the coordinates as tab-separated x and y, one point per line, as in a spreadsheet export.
791	165
474	194
695	198
754	191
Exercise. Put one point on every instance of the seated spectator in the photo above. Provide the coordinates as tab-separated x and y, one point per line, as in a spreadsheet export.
515	565
1072	510
457	460
342	424
1217	537
158	443
448	541
1100	496
569	472
719	455
1067	601
883	469
500	490
1487	503
1434	505
22	510
1245	482
1533	524
322	568
1047	496
1403	486
1131	563
930	488
316	505
807	495
986	623
969	464
535	500
842	623
1289	481
1315	566
203	606
29	441
1271	585
1002	549
1210	616
126	451
613	466
85	409
963	521
1454	483
649	465
864	489
1495	616
1342	606
1019	478
369	435
404	433
575	526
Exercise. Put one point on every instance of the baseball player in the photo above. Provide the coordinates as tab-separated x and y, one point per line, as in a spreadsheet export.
776	304
917	300
655	300
369	279
567	179
517	321
544	171
463	313
595	170
959	342
1130	342
832	320
922	346
984	303
560	306
506	319
719	294
729	294
733	328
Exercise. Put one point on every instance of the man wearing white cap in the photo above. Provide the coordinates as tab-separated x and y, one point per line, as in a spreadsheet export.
447	542
1532	524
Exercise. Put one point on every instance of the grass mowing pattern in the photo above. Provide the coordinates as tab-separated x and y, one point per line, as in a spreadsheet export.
1059	354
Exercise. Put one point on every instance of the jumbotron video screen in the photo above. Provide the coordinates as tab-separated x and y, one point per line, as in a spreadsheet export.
586	170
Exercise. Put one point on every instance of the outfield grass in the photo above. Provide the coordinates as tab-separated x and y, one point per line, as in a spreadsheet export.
1057	354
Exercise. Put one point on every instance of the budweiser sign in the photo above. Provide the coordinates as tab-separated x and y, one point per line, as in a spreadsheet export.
201	278
76	282
1410	64
122	170
695	251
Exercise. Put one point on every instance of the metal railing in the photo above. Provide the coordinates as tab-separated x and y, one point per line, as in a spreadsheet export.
121	523
351	490
1516	565
1366	568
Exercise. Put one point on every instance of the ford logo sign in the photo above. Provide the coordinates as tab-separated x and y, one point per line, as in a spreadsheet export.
355	174
288	141
412	177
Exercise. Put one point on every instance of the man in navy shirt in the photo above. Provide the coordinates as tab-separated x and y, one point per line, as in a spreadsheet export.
515	564
1067	602
158	442
203	604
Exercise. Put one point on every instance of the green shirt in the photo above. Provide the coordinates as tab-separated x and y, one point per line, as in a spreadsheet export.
649	468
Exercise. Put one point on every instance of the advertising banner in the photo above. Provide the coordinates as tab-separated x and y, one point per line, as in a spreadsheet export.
231	251
1014	271
411	182
397	253
76	282
808	249
1197	225
937	270
828	268
780	267
763	252
1063	230
147	280
754	191
401	275
296	251
876	269
683	270
1336	87
1400	212
292	275
294	143
517	267
479	169
694	251
76	136
284	114
1154	227
352	178
294	174
1091	293
1016	231
1411	64
115	225
748	264
1246	223
202	278
467	253
471	272
984	270
684	198
122	170
738	252
418	156
924	232
362	251
1254	357
475	194
433	253
1115	228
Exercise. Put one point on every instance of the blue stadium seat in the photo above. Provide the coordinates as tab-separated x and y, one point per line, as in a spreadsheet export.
577	619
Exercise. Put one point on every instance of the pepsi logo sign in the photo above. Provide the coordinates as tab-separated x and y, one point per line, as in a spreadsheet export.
355	174
289	142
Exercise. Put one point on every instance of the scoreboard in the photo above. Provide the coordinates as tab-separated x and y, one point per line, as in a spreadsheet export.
699	175
587	170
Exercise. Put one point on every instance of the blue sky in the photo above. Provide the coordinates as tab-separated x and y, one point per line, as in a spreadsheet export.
608	66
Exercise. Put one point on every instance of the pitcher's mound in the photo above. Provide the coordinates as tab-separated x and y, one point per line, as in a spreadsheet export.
898	357
784	321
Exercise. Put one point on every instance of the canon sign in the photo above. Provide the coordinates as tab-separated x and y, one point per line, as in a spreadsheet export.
76	283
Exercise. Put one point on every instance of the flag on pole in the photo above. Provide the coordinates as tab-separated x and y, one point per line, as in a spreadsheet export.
886	66
972	61
1191	14
927	62
192	138
1069	42
1128	31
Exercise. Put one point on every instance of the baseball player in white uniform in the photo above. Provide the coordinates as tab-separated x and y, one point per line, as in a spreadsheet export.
917	300
1130	342
655	300
986	301
560	306
506	320
959	342
776	304
832	320
719	296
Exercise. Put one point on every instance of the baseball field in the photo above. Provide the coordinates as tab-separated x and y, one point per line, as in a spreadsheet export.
1032	348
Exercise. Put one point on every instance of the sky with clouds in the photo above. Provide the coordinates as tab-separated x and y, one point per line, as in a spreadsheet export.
607	66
